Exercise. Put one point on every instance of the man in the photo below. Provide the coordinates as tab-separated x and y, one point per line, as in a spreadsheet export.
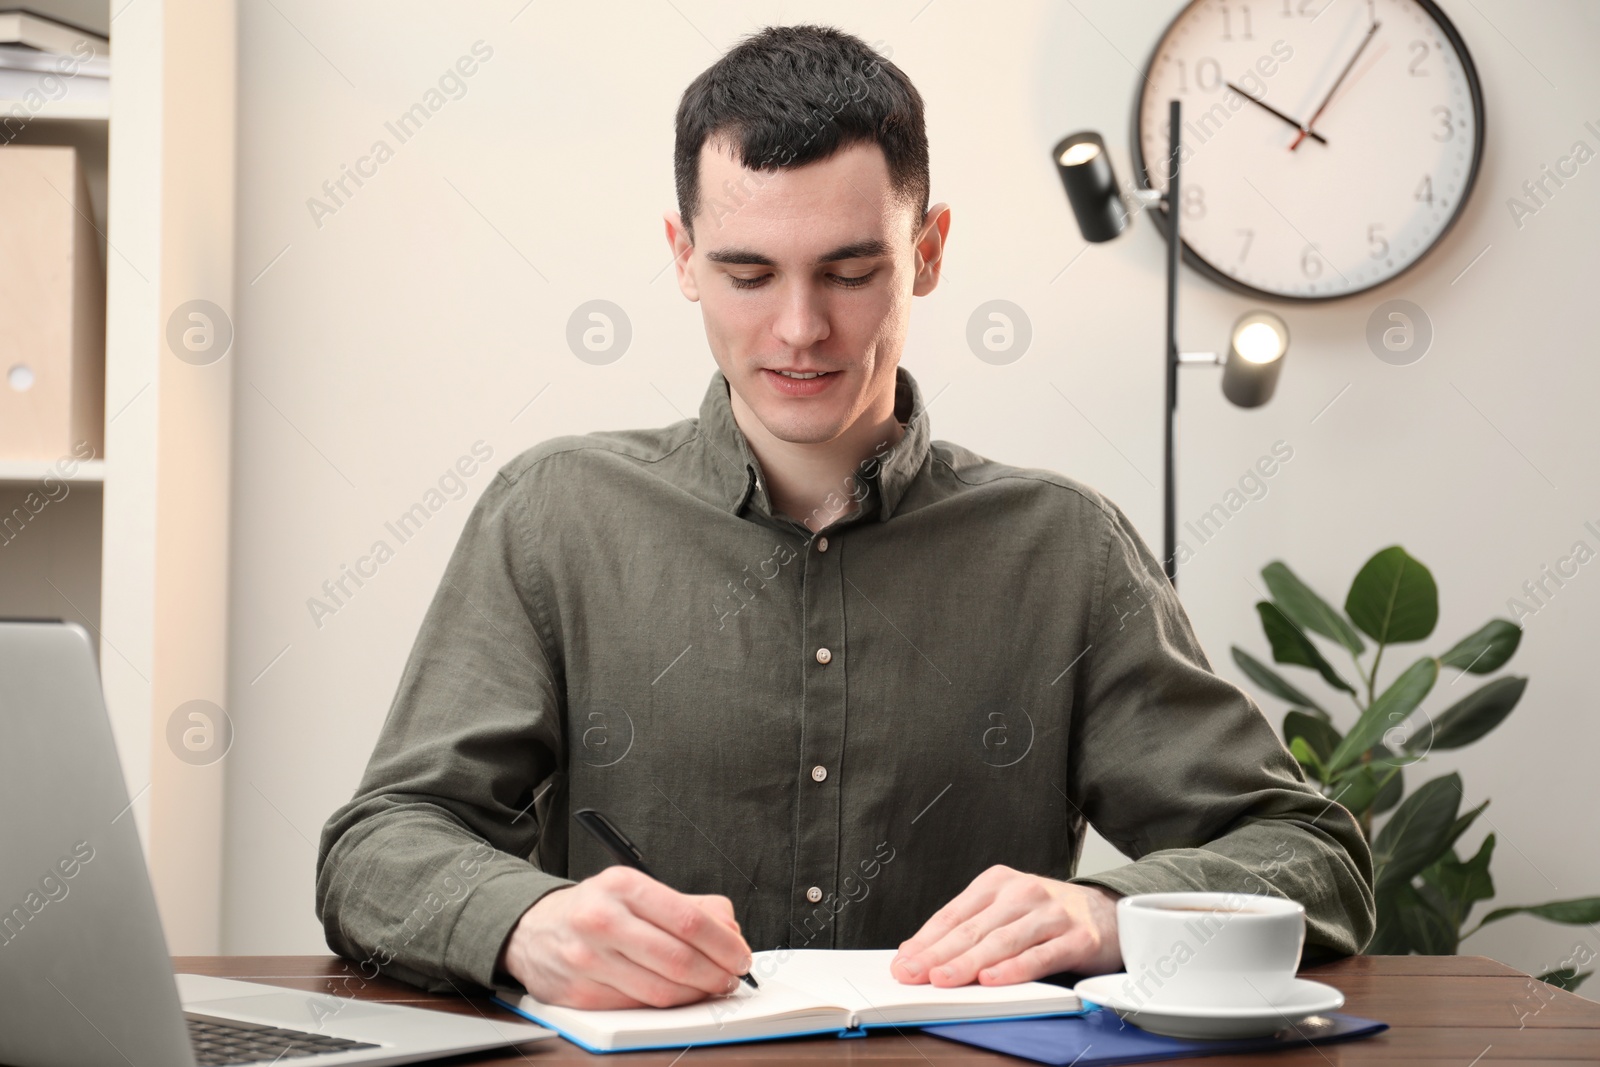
845	686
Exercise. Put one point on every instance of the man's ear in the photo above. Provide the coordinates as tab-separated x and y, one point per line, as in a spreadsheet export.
682	249
930	248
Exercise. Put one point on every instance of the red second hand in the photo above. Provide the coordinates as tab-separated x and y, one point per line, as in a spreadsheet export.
1301	136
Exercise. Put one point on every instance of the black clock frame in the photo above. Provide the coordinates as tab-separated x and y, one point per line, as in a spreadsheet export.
1201	266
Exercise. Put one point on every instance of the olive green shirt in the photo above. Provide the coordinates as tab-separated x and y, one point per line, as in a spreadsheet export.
838	731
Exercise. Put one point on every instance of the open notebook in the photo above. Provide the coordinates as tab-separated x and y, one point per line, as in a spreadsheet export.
803	991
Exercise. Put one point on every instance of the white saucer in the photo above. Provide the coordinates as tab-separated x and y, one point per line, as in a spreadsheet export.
1304	998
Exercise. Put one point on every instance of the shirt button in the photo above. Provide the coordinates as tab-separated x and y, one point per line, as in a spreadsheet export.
823	655
818	773
813	894
822	544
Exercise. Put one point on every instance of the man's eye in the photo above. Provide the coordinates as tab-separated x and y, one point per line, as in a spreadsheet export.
842	281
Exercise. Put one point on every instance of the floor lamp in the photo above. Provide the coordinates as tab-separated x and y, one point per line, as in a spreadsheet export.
1259	340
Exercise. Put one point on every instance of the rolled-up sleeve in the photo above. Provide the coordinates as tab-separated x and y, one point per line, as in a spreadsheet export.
1179	769
428	867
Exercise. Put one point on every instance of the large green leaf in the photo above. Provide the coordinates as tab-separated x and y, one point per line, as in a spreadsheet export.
1392	707
1308	610
1392	787
1486	649
1374	785
1393	598
1569	979
1427	931
1418	832
1319	733
1465	820
1300	749
1359	787
1409	922
1470	717
1580	911
1460	885
1390	938
1290	645
1272	681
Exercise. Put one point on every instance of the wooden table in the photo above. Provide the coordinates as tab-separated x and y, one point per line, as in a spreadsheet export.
1443	1011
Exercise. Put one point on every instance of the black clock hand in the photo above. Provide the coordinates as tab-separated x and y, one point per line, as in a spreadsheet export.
1362	47
1274	111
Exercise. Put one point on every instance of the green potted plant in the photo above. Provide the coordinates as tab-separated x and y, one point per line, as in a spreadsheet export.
1425	890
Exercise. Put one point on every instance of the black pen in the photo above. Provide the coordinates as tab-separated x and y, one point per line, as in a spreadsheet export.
624	851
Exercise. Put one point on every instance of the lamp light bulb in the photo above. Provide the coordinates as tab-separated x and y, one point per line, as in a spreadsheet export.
1259	342
1079	154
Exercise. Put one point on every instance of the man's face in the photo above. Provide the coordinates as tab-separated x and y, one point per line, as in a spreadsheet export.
807	269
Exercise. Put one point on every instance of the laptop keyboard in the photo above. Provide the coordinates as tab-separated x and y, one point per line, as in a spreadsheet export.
221	1041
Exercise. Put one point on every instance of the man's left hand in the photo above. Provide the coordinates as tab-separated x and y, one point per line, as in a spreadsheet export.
1009	927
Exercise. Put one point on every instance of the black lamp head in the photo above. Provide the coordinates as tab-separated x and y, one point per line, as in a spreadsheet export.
1256	348
1091	186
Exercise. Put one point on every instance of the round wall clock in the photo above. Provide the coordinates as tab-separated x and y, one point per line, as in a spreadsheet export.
1327	145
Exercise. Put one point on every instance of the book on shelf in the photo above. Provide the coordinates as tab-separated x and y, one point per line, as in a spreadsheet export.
50	85
19	57
24	27
52	350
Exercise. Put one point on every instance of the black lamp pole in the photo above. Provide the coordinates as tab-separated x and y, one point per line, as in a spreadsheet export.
1170	490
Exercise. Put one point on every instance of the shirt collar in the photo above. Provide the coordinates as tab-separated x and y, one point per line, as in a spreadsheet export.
737	476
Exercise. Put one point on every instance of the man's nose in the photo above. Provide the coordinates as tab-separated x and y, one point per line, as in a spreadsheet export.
802	317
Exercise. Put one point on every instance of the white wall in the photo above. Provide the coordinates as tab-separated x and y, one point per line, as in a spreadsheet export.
424	315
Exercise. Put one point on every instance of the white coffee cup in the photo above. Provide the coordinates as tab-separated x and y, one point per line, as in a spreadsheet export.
1211	950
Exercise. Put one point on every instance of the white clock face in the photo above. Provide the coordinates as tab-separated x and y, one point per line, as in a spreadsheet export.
1373	151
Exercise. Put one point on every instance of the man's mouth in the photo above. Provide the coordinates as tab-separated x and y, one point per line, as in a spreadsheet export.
790	382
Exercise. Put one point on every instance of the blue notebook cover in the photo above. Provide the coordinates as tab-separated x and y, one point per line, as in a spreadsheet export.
1100	1038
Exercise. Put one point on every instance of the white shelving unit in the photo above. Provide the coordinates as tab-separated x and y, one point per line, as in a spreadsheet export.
34	472
137	549
51	553
66	108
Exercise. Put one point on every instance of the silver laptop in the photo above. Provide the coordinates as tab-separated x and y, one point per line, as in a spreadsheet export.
85	979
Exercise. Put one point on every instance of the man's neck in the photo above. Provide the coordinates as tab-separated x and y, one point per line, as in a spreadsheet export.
817	484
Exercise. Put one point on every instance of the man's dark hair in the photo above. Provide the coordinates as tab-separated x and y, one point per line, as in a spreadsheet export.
791	95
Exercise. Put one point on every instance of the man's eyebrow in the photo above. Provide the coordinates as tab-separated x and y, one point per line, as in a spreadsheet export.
867	249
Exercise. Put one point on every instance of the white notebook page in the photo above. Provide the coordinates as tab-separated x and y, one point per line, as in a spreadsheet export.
861	981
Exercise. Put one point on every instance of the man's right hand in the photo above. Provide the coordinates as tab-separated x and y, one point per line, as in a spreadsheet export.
621	939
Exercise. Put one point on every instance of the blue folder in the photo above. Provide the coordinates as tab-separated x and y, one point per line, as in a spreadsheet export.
1100	1038
512	1002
